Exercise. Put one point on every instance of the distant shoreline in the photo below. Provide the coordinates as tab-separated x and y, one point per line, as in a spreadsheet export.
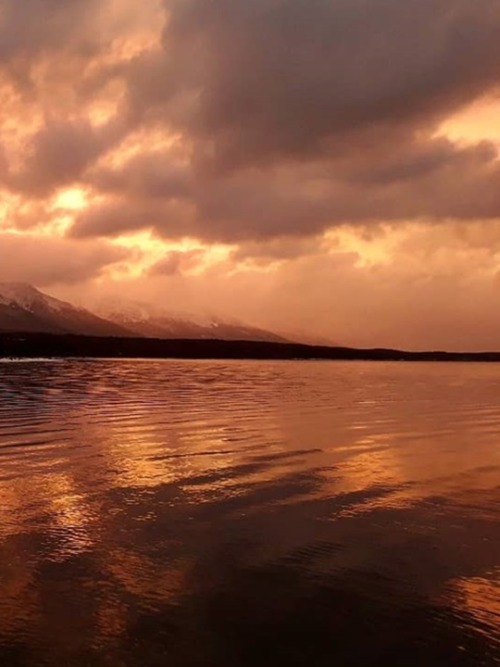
31	345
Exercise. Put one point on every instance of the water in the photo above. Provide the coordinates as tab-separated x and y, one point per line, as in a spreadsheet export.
217	514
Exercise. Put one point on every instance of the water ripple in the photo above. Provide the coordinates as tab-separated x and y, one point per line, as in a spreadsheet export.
258	513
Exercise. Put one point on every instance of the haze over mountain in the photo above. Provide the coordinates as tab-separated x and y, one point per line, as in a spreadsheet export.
153	321
24	308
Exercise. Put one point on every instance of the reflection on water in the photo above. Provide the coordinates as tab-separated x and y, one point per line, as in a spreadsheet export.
226	513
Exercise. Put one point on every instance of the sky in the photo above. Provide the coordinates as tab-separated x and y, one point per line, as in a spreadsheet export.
327	168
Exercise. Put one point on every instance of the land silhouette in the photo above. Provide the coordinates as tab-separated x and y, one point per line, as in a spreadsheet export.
36	345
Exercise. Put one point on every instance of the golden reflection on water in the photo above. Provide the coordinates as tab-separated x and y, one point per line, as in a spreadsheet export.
477	601
71	518
150	475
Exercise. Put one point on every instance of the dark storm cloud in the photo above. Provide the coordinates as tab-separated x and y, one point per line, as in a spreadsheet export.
273	78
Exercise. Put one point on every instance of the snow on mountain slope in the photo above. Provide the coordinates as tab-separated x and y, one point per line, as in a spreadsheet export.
28	297
154	321
24	308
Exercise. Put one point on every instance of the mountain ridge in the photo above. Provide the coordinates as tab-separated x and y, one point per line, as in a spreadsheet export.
24	308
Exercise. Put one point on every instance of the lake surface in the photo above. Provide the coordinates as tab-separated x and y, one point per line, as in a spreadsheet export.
213	514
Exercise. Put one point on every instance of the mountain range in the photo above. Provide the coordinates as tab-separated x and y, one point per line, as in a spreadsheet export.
25	309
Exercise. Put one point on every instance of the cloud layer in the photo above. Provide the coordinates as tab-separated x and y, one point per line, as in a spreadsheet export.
47	261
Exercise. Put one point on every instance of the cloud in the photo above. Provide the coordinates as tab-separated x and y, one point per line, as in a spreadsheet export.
47	261
290	117
298	116
59	153
61	96
177	262
117	217
81	29
147	175
39	26
430	179
263	80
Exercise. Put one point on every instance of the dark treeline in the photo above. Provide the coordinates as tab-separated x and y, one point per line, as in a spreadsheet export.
50	345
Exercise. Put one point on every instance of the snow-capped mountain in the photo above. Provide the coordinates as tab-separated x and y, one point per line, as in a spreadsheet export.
25	309
153	321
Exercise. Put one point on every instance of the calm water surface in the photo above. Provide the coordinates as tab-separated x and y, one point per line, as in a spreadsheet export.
217	514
